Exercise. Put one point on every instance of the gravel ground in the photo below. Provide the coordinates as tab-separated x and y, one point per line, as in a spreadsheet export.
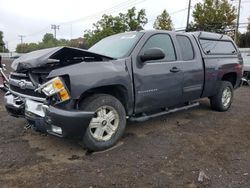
170	151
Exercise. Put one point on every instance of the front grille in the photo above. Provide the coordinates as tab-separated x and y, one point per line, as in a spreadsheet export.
21	83
27	92
19	76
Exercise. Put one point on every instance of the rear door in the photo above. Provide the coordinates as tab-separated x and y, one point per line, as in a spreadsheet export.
192	67
157	83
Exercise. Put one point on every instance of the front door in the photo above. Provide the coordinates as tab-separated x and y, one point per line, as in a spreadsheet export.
158	83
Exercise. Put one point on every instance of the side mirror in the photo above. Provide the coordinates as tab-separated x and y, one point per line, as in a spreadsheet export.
152	54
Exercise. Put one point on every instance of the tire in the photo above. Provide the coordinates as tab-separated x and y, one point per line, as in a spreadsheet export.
108	125
222	102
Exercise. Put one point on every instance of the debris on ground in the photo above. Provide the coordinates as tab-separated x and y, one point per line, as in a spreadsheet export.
202	177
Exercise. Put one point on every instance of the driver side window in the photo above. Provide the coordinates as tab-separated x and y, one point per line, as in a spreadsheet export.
164	42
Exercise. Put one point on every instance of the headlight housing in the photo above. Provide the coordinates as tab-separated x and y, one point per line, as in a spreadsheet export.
53	87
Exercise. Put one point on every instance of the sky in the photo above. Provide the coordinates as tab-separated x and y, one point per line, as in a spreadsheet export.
33	18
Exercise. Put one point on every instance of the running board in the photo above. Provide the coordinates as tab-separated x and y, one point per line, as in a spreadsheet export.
147	117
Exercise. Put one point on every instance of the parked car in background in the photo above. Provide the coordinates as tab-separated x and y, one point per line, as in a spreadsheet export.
246	74
130	76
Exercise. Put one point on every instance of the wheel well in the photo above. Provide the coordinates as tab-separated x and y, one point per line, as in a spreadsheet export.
117	91
231	77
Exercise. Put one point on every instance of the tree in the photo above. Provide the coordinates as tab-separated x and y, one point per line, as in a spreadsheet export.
214	15
49	41
244	38
163	21
135	21
1	42
109	25
48	37
22	48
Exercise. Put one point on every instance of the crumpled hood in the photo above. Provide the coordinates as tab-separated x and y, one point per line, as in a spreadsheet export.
43	57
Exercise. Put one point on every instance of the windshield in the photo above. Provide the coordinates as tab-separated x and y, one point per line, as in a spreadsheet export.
117	46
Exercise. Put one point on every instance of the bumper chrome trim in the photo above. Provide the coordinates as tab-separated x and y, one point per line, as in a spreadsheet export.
12	101
18	74
28	106
34	107
26	84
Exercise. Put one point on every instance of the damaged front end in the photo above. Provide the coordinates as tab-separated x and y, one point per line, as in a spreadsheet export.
61	120
46	102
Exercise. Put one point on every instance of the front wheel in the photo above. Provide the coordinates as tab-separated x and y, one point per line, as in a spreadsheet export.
224	97
108	124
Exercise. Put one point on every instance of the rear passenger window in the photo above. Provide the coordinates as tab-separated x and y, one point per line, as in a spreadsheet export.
164	42
217	47
186	47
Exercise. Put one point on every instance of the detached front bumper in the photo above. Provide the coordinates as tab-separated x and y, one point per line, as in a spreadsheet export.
64	123
54	120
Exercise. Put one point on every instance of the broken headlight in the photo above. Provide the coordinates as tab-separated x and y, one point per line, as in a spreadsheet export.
53	87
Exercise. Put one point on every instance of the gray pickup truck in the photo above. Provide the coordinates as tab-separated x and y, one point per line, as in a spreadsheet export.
130	76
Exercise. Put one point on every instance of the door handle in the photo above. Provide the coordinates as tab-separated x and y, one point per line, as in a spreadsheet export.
175	69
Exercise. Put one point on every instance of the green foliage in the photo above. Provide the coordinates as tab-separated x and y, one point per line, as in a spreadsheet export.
49	38
163	21
23	48
109	25
244	38
2	44
134	21
1	41
214	15
49	41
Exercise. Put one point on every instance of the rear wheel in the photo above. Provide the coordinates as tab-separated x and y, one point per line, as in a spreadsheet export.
224	97
108	124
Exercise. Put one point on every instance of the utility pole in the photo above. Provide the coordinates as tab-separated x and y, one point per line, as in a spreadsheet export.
237	23
21	38
6	45
55	27
70	31
188	15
